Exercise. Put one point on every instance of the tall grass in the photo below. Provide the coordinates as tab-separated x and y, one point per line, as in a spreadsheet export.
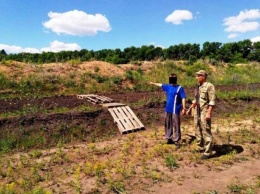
46	83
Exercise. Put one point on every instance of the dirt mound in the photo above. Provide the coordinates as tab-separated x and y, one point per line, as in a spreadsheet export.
20	70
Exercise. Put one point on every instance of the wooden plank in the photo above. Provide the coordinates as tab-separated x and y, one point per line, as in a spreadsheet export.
117	120
80	96
125	119
95	98
122	120
123	116
105	99
89	98
99	98
140	124
112	104
130	117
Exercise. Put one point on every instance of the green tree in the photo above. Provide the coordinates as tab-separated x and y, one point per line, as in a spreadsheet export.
211	50
254	55
2	54
226	52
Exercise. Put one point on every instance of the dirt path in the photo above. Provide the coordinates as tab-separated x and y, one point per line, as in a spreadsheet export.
201	179
205	177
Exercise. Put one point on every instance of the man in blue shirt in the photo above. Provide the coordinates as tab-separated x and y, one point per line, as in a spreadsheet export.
175	104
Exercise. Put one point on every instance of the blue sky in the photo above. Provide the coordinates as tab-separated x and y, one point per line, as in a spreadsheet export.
55	25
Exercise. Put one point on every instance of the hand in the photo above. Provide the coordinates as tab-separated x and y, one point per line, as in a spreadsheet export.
208	116
188	112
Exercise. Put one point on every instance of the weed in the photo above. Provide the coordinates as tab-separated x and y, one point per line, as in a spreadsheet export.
171	162
35	177
229	158
194	157
7	144
258	181
78	186
98	169
39	191
116	186
235	188
26	184
156	175
25	161
8	188
35	154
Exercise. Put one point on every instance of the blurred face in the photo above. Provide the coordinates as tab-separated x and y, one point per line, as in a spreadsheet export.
200	78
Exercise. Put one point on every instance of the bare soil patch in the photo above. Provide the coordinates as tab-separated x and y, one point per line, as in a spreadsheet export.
97	127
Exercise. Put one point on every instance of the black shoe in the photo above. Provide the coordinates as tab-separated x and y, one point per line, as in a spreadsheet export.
204	157
170	141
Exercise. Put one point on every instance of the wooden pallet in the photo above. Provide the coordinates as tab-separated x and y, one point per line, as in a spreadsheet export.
95	99
125	119
122	114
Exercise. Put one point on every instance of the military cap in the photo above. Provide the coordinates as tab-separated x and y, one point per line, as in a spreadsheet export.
201	72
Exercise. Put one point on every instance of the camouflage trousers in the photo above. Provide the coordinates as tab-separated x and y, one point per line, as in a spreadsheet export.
203	133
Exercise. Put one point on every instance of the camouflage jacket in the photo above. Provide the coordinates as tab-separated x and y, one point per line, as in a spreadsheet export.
207	95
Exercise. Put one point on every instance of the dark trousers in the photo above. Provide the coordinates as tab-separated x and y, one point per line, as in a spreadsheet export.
172	126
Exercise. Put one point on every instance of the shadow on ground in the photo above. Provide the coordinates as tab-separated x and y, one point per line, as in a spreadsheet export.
219	150
225	149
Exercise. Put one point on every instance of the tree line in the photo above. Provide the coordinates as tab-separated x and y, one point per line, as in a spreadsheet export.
235	52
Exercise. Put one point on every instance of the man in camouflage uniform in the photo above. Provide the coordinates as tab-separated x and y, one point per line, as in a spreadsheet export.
203	103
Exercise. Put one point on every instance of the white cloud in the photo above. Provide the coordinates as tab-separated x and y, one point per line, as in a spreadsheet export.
31	50
57	46
242	23
10	48
54	46
232	35
242	16
177	16
155	45
243	27
77	23
17	49
255	39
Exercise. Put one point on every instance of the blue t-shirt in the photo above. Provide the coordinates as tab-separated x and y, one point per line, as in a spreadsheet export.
173	101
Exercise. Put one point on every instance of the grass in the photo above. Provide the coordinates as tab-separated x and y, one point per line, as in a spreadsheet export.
31	110
245	95
31	164
237	187
171	162
78	80
112	166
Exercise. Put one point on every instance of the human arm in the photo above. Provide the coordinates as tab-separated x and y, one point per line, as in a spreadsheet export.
193	105
183	112
156	84
209	112
212	99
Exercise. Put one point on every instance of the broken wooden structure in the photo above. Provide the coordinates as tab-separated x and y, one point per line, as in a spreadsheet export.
122	114
95	99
